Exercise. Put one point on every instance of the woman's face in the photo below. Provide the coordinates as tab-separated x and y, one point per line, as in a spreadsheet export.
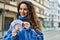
23	10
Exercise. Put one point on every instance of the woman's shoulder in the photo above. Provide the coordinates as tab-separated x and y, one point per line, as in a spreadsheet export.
41	33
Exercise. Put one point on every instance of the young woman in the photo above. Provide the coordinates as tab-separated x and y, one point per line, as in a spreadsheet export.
31	27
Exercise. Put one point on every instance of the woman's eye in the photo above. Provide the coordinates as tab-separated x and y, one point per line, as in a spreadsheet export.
25	9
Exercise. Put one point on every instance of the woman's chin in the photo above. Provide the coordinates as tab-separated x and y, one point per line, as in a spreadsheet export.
23	16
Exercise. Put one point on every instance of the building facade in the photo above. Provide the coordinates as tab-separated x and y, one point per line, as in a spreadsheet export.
54	13
8	11
46	12
52	21
59	15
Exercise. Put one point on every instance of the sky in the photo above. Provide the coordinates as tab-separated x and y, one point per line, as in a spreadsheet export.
59	1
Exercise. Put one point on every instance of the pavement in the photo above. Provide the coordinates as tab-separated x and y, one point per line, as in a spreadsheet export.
52	35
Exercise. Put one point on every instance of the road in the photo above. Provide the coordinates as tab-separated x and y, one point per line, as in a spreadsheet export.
52	35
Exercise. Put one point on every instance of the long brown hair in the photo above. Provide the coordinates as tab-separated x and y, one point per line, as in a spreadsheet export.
33	19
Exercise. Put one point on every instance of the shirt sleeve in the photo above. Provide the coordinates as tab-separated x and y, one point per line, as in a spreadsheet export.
8	35
40	36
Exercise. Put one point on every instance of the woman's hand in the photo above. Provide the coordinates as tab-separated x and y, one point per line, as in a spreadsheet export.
14	32
26	25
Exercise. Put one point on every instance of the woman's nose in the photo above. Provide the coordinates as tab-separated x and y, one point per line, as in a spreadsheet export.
22	10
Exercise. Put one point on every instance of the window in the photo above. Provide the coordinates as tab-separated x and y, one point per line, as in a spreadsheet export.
58	11
36	9
59	17
1	11
13	0
2	0
7	23
37	0
34	0
59	5
41	11
41	2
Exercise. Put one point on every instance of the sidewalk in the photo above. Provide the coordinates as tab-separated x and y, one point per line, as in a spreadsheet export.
1	38
52	34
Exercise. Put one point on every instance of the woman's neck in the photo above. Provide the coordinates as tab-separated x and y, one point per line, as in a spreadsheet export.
22	18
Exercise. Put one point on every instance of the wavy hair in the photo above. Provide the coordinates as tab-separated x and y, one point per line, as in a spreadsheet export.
33	19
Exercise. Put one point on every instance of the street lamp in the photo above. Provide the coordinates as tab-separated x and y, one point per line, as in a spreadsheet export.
3	18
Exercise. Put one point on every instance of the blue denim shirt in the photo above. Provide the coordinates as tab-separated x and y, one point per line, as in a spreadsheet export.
29	34
24	34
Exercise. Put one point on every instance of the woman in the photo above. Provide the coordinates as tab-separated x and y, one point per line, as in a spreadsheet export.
31	29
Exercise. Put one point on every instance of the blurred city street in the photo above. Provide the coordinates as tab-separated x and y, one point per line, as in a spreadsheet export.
48	12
